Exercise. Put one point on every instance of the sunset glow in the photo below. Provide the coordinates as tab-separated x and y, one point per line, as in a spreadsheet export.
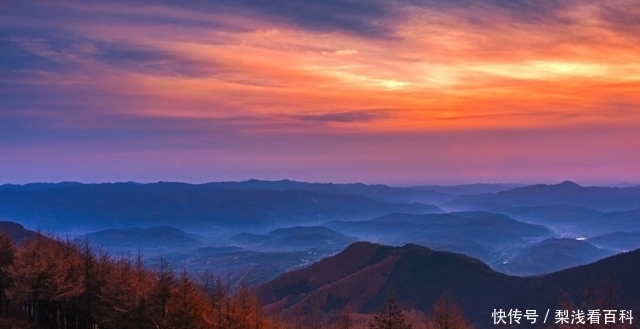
374	91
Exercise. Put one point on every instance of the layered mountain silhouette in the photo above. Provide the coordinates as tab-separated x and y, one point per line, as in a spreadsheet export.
605	199
16	232
463	189
578	221
621	241
479	234
553	215
376	192
552	255
298	237
135	237
362	276
120	205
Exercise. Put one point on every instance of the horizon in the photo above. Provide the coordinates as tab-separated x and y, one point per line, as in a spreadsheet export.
416	185
339	91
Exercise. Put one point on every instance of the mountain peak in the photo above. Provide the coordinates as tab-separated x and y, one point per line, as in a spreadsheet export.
569	183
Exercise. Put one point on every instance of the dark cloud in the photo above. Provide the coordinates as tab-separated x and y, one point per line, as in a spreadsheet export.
367	18
361	17
370	18
481	12
50	53
534	11
151	61
622	17
31	52
347	116
378	18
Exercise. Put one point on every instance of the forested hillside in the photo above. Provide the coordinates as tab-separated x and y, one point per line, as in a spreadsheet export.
63	284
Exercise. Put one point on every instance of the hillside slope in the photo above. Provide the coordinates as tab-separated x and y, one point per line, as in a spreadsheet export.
361	277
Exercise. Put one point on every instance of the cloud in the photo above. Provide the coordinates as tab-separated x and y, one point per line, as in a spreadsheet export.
151	61
622	17
345	52
344	117
242	75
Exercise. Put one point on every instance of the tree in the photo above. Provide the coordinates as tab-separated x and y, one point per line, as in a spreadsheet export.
391	318
7	255
162	292
217	299
187	305
345	322
94	267
446	314
45	273
595	296
248	310
45	270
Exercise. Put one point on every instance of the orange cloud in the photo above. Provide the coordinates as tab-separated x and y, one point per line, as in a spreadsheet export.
457	68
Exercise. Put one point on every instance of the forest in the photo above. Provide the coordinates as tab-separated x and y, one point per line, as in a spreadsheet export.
48	282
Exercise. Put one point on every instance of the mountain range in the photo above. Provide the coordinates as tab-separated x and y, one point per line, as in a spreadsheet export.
362	276
104	206
296	238
154	237
605	199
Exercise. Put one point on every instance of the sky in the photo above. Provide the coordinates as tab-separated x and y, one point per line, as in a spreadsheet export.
376	91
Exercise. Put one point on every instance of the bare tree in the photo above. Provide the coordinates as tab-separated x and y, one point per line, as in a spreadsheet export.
392	317
162	292
187	305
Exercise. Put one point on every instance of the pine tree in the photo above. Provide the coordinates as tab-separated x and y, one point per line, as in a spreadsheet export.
391	318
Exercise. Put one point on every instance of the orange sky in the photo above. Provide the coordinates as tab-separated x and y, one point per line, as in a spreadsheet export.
154	70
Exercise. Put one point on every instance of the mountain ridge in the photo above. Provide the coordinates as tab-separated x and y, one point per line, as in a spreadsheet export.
119	205
606	199
417	276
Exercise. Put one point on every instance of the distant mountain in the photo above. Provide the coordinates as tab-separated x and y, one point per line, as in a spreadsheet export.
135	238
295	238
621	241
624	184
553	215
618	221
606	199
16	232
364	274
577	221
321	231
119	205
480	234
252	240
376	192
37	186
468	188
552	255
